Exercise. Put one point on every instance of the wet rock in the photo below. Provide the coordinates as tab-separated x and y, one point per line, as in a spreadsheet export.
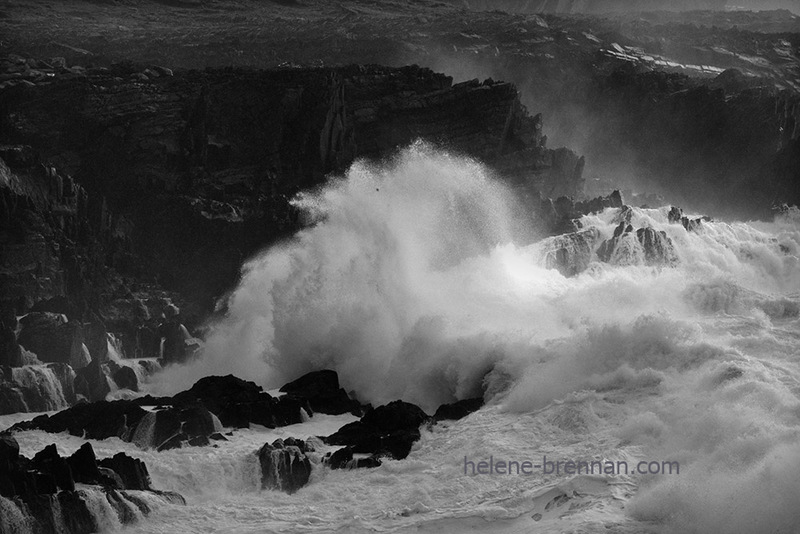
49	336
49	461
644	246
10	350
458	409
43	489
598	204
321	390
284	466
132	471
182	424
96	420
96	339
343	459
92	382
238	403
9	452
125	378
218	392
658	247
389	430
83	464
570	253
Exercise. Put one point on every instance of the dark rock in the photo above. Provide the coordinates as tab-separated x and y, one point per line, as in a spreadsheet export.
238	403
396	415
199	441
320	389
571	253
340	458
126	511
49	336
110	478
132	471
645	246
97	420
58	305
343	459
43	489
174	442
83	464
177	425
66	378
598	204
9	452
284	467
125	378
96	339
92	382
458	410
49	461
391	429
658	247
10	350
151	141
75	513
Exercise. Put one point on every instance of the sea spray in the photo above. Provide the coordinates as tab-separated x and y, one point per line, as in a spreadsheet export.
410	284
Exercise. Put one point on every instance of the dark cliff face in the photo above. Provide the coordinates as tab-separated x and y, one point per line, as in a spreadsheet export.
174	179
732	151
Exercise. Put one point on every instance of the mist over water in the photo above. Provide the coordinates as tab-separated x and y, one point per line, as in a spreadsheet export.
410	284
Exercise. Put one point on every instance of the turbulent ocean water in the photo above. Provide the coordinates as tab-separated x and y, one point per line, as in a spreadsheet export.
418	279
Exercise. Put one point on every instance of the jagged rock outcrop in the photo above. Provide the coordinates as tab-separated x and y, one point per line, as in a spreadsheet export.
676	215
42	490
284	465
389	430
560	216
570	253
643	246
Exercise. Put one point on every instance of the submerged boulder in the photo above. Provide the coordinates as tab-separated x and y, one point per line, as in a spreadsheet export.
284	465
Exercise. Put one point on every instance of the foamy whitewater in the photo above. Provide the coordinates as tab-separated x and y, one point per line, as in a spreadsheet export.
417	281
